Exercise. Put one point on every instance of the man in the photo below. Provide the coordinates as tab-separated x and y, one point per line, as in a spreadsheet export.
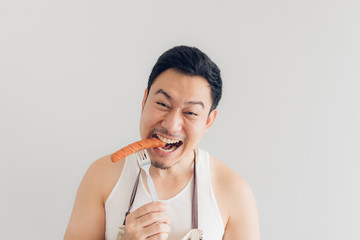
178	107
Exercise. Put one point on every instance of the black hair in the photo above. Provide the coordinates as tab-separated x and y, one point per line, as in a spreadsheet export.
190	61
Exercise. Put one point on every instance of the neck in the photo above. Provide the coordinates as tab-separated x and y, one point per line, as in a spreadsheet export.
169	182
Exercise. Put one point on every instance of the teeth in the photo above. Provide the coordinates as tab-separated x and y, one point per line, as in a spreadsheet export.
166	140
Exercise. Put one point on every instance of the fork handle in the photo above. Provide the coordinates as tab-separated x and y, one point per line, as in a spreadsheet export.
151	186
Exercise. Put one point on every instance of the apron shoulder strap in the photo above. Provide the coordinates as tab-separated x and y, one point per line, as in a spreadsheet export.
133	194
194	210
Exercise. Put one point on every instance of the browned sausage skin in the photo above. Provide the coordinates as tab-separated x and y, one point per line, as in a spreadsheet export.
136	146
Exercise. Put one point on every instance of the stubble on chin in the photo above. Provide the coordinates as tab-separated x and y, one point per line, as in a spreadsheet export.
158	165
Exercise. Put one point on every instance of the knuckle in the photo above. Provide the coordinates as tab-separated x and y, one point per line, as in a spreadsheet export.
158	227
159	204
137	235
161	228
152	215
168	228
163	236
130	228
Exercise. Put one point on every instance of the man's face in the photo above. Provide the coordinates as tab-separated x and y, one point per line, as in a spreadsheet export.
176	111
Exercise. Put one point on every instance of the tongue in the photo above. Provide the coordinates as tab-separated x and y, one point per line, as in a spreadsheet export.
168	146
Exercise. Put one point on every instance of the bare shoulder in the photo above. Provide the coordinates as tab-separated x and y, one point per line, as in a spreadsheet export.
103	173
229	187
225	176
236	202
87	220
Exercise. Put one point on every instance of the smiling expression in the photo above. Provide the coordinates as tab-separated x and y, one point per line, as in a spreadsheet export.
176	110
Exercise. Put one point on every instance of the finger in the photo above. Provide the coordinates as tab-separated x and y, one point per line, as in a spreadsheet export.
160	236
157	230
151	218
148	208
134	231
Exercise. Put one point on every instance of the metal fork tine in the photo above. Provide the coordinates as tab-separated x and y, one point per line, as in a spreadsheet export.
143	157
140	155
146	155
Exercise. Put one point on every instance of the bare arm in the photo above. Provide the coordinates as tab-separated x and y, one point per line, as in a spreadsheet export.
243	222
236	202
87	220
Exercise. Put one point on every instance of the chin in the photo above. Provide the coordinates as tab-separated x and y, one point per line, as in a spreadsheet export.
160	165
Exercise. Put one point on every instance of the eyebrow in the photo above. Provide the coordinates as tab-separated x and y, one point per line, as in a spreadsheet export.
196	103
162	91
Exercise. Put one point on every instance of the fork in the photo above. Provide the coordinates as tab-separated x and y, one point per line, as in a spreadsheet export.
145	163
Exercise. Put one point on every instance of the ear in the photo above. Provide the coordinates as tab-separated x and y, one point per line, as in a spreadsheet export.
144	99
211	119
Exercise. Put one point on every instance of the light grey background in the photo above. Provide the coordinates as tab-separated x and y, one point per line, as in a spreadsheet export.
73	74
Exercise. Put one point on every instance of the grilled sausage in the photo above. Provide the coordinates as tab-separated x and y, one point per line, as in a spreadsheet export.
136	146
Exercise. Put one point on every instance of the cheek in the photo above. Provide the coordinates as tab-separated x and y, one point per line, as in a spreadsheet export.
196	129
149	118
144	122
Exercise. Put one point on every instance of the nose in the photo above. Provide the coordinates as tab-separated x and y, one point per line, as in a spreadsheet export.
173	122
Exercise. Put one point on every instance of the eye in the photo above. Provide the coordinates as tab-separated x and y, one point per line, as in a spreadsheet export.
162	104
191	113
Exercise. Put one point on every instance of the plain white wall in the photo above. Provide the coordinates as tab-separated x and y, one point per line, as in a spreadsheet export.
73	74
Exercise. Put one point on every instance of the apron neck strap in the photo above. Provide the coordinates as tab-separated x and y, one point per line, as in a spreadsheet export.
194	203
133	194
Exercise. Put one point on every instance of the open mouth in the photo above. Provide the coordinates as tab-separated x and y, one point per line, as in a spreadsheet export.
171	144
